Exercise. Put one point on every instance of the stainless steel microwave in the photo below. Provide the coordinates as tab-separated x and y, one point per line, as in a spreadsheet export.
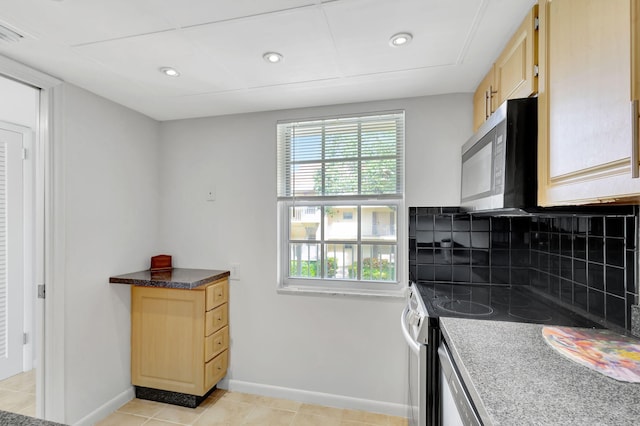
499	163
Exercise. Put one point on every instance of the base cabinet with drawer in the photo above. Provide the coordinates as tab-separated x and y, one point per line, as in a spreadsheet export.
180	337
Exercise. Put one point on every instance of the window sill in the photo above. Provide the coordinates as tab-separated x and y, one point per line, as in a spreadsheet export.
397	293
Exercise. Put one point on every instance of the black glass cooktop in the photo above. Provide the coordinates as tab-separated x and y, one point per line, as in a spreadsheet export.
498	303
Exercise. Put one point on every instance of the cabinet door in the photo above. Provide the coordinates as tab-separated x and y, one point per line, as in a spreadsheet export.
635	60
585	133
514	68
167	339
483	100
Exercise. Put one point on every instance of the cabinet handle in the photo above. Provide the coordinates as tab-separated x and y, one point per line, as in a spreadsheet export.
635	123
491	94
487	104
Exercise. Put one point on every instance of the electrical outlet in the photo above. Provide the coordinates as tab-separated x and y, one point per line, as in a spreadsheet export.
235	271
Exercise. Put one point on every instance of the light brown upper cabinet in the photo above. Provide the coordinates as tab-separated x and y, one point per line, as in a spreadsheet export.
484	100
514	74
516	68
588	148
635	66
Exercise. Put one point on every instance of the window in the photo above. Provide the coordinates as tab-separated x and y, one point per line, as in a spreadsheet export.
340	192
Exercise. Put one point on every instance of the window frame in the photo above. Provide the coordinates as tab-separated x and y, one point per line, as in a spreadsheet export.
396	288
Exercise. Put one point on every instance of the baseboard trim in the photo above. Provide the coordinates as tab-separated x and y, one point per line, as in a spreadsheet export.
318	398
107	408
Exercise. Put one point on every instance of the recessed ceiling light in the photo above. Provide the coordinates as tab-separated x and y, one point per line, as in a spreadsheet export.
400	39
272	57
171	72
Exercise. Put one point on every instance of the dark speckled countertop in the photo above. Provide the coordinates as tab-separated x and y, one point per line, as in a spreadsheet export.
515	378
13	419
176	278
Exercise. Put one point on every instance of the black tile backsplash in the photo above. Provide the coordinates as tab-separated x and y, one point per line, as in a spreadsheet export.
583	257
451	246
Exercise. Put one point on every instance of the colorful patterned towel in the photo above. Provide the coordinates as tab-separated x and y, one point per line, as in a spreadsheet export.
604	351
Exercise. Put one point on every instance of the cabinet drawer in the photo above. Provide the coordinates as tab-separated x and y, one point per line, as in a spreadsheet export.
216	343
216	319
217	294
215	369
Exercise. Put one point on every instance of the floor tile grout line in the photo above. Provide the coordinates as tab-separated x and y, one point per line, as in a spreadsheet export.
264	403
166	421
202	414
130	414
16	391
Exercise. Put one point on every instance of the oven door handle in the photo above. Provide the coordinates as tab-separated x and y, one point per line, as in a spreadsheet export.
413	345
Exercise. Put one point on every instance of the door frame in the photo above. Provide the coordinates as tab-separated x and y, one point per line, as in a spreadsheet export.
49	238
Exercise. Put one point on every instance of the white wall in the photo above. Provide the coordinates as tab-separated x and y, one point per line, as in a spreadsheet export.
345	346
110	169
18	103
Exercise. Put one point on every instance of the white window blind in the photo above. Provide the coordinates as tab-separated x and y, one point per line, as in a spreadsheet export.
340	197
356	157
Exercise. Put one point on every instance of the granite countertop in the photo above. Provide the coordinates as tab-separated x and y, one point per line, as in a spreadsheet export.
176	278
515	377
13	419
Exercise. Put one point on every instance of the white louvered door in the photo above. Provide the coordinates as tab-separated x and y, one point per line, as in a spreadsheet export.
11	252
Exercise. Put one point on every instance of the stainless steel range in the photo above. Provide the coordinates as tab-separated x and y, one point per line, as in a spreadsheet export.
427	302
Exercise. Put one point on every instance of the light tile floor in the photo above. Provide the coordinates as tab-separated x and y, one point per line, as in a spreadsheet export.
18	393
233	408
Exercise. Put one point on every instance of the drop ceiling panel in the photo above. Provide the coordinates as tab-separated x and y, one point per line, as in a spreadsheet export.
224	56
300	35
88	21
83	21
347	90
193	12
362	29
139	59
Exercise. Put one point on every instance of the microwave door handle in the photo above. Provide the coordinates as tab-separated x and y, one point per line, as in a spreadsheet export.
413	345
635	129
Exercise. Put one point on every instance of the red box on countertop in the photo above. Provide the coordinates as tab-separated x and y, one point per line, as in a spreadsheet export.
161	262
